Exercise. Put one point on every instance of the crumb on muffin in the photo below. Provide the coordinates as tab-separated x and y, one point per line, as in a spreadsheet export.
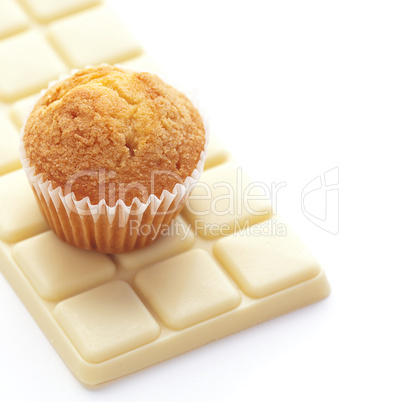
109	133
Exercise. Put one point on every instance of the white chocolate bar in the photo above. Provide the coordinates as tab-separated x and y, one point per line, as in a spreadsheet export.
223	266
12	18
29	63
9	141
94	36
20	216
48	10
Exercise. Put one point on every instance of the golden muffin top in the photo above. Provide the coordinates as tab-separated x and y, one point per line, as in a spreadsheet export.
110	133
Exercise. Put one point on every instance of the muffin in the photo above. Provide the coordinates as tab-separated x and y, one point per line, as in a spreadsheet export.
112	156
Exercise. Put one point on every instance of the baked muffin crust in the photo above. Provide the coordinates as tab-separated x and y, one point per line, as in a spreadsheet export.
108	133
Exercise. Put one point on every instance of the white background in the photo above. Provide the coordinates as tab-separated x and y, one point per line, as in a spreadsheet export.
293	89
